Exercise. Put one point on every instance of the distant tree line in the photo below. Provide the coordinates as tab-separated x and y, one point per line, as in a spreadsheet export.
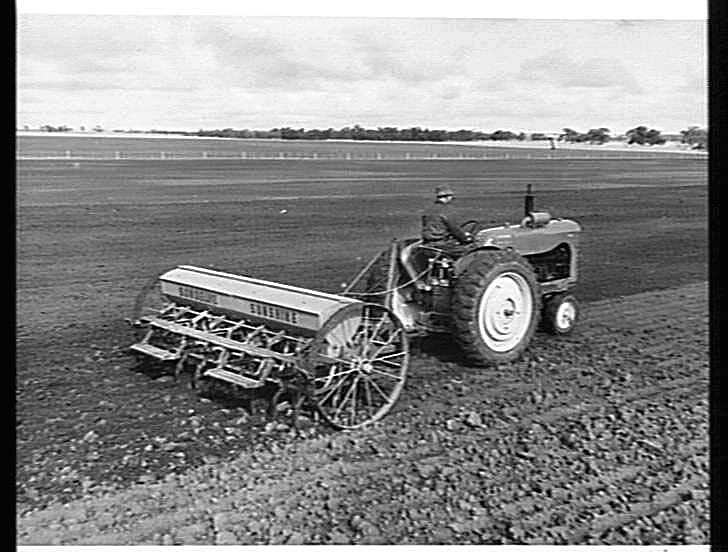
642	135
593	136
50	128
357	132
694	136
638	135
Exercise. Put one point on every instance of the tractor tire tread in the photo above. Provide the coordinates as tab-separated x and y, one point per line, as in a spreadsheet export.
466	298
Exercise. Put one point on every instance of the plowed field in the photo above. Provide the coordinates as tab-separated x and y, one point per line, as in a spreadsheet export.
600	437
597	438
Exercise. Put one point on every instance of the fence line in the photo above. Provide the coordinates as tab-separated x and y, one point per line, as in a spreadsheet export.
68	155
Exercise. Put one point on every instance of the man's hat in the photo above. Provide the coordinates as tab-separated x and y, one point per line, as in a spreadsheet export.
443	191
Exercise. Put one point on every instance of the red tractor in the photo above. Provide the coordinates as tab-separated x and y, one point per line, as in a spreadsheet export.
492	296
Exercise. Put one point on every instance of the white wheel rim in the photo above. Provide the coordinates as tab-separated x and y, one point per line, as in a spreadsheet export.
565	315
505	312
338	341
367	356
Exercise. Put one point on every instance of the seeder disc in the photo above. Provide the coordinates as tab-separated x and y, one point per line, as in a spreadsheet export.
358	362
150	300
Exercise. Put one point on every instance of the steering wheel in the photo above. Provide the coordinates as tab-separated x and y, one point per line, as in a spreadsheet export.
471	226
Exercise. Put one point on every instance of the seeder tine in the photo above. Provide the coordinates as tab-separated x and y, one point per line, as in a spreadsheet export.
179	367
255	333
232	377
276	338
155	352
266	367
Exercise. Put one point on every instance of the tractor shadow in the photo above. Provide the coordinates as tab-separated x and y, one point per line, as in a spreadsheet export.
450	361
444	348
441	347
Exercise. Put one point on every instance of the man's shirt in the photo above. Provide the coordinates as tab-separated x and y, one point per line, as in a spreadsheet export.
440	224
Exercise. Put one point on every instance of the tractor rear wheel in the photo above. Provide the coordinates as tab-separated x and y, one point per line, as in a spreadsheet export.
495	308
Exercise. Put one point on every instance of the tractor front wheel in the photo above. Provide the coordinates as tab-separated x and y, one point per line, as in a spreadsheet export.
496	307
560	313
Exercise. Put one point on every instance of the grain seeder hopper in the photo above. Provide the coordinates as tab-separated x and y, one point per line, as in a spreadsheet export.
348	356
348	353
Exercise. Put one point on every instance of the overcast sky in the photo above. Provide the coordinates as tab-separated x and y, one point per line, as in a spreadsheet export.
186	73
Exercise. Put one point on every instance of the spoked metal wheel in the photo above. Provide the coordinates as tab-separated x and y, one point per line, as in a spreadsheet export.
505	311
358	363
150	300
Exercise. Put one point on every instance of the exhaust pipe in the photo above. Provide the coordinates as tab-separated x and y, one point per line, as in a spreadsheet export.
528	203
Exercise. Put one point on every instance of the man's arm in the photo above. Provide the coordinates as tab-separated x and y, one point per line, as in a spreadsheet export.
454	228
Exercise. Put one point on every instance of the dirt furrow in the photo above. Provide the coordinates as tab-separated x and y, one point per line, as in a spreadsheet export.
277	493
559	462
597	329
685	522
527	519
467	456
693	307
660	501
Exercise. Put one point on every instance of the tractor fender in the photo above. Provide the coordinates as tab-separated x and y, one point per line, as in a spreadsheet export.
463	262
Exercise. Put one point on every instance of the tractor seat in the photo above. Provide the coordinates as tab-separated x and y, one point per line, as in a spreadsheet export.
415	258
407	258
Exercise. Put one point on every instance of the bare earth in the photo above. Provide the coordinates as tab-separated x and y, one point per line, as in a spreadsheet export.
599	437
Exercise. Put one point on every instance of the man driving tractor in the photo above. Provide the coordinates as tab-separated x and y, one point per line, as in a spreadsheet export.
440	227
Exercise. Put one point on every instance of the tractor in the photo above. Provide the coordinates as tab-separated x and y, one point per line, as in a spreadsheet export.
347	354
491	296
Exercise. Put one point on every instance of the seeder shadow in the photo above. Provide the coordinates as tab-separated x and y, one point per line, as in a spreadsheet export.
156	370
266	401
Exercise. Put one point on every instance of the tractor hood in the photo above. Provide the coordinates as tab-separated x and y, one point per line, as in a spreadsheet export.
529	240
